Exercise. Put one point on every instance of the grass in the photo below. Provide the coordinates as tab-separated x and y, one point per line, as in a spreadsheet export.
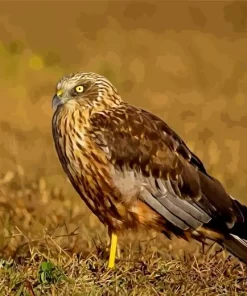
77	275
52	245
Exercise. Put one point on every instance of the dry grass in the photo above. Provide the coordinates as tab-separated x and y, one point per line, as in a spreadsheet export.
185	63
41	226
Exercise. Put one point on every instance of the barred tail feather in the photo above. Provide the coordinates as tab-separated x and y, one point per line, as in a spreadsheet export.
240	227
236	246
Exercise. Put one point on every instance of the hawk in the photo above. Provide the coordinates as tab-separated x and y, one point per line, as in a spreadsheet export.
132	170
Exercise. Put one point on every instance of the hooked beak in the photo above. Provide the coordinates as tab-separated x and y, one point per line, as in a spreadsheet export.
56	101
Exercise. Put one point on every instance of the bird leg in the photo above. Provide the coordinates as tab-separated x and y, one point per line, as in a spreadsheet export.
113	249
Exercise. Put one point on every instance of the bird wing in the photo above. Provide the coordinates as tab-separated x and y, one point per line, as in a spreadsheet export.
174	181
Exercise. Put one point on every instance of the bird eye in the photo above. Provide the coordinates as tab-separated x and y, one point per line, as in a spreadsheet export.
79	89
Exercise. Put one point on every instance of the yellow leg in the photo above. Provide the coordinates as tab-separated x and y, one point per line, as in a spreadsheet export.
113	249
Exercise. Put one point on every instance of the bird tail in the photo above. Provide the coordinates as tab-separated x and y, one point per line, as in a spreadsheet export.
236	241
236	246
240	226
234	237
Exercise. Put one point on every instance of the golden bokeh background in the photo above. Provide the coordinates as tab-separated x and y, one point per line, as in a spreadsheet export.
185	61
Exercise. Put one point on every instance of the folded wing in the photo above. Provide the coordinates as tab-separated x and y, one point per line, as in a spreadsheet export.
174	181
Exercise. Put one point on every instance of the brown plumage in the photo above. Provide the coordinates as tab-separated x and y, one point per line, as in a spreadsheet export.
132	169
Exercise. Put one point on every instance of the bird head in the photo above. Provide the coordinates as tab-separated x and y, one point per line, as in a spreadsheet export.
85	89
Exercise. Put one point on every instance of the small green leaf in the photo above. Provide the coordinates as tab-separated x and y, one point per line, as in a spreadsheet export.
43	277
44	266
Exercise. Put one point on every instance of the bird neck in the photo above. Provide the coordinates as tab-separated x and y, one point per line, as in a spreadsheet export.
101	103
86	108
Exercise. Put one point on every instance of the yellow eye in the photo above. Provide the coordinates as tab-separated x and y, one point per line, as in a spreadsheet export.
79	89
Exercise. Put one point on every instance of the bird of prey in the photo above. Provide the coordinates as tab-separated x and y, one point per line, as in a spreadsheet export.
132	170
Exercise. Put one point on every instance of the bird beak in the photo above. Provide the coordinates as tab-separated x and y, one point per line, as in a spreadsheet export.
56	101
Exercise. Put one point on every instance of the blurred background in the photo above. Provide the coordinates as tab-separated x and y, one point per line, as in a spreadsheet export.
185	61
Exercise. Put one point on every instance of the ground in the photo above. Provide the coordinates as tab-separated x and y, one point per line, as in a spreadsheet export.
51	245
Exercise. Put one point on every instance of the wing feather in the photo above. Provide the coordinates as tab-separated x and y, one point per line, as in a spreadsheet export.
175	182
163	211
